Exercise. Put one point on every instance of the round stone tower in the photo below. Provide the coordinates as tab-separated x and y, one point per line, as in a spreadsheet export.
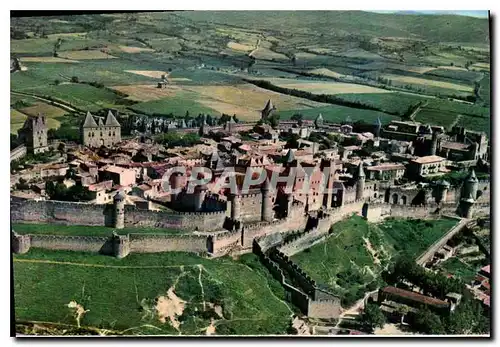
360	184
20	243
466	205
121	245
470	186
119	209
176	183
199	197
443	187
235	206
289	202
434	143
267	205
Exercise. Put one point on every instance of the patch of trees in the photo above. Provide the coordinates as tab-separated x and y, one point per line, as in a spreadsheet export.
173	139
372	318
434	284
456	178
468	318
411	109
298	117
59	191
14	141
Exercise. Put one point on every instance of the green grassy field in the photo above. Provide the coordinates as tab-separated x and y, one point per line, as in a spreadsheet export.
460	269
107	72
468	76
476	123
81	96
339	114
120	294
83	230
177	105
390	102
485	89
349	262
436	117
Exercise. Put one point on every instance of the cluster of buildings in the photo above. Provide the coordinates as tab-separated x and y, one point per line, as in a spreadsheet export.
382	165
316	178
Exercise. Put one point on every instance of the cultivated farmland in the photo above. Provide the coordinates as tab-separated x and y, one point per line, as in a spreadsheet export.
324	87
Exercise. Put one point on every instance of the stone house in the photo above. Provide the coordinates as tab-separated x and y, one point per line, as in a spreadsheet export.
100	192
119	175
386	171
427	166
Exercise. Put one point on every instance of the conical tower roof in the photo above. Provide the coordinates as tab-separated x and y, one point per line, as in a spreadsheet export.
120	196
361	172
100	123
319	118
290	156
111	120
89	121
269	106
472	176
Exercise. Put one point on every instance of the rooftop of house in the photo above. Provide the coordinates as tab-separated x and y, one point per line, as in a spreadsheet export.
400	122
386	167
428	159
104	185
115	169
417	297
54	166
486	269
351	148
455	145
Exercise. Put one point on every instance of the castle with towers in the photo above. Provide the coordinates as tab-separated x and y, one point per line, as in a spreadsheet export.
100	133
34	132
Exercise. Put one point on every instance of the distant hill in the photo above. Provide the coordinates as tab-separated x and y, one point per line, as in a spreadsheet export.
436	28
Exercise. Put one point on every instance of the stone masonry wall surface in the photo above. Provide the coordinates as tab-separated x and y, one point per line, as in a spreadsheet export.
144	243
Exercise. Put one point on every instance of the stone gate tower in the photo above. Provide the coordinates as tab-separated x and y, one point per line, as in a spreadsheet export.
34	134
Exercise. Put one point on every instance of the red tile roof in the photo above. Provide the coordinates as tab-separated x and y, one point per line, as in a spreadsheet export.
423	299
486	269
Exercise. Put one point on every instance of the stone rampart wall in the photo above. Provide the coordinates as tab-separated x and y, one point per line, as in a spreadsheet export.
155	243
95	244
78	213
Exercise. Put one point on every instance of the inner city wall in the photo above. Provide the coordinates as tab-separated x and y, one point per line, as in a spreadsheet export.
78	213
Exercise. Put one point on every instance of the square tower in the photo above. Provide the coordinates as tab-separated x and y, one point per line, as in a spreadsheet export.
34	134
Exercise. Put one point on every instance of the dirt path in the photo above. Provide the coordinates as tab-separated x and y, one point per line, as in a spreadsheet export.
79	311
372	251
457	119
201	286
414	114
355	309
389	329
100	265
